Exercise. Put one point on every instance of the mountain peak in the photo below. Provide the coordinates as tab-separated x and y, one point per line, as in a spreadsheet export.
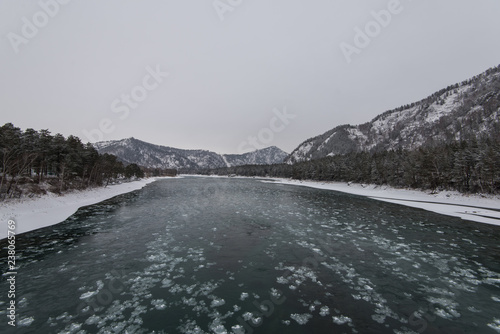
132	150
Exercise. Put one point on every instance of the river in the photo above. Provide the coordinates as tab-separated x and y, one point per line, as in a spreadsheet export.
215	255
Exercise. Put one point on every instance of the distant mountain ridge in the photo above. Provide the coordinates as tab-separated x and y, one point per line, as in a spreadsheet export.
467	110
145	154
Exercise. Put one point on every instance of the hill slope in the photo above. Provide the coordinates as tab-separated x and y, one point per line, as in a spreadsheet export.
132	150
470	109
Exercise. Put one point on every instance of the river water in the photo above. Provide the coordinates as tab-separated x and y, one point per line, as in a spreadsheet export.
209	255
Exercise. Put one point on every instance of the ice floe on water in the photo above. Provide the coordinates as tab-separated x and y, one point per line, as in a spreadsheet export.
26	321
315	266
301	319
495	324
216	302
324	311
238	329
296	276
341	320
159	304
89	294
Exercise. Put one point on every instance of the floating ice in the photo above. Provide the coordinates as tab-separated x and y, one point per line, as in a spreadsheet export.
65	316
190	327
25	321
159	304
190	302
72	328
495	325
217	328
275	293
404	331
238	329
281	280
92	320
176	289
217	302
89	294
301	319
473	309
324	311
341	320
244	295
380	318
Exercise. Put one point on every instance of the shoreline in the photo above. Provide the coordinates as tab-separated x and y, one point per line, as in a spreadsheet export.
474	207
478	208
51	209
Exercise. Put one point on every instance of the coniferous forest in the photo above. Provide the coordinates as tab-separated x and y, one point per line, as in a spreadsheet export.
467	166
34	162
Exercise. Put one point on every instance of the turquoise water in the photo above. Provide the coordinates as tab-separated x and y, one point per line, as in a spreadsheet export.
202	255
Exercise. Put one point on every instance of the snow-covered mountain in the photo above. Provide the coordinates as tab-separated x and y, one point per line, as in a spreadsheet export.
132	150
467	110
265	156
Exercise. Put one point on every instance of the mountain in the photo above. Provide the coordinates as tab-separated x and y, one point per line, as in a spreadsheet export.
459	112
132	150
266	156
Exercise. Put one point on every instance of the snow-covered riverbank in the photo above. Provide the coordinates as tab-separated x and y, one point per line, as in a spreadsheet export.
34	213
479	208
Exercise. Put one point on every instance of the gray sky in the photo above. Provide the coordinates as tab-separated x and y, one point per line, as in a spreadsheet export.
84	67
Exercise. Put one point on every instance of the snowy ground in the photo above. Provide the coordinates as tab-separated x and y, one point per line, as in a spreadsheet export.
479	208
34	213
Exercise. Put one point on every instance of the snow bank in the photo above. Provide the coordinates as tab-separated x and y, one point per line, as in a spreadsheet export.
34	213
479	208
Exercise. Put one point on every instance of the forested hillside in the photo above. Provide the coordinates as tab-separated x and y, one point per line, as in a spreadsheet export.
34	162
450	140
466	166
469	110
149	155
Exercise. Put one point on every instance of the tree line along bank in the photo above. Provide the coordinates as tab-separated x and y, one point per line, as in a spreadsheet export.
471	166
34	162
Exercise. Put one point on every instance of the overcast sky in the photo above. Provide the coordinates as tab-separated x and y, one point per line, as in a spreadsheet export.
280	71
